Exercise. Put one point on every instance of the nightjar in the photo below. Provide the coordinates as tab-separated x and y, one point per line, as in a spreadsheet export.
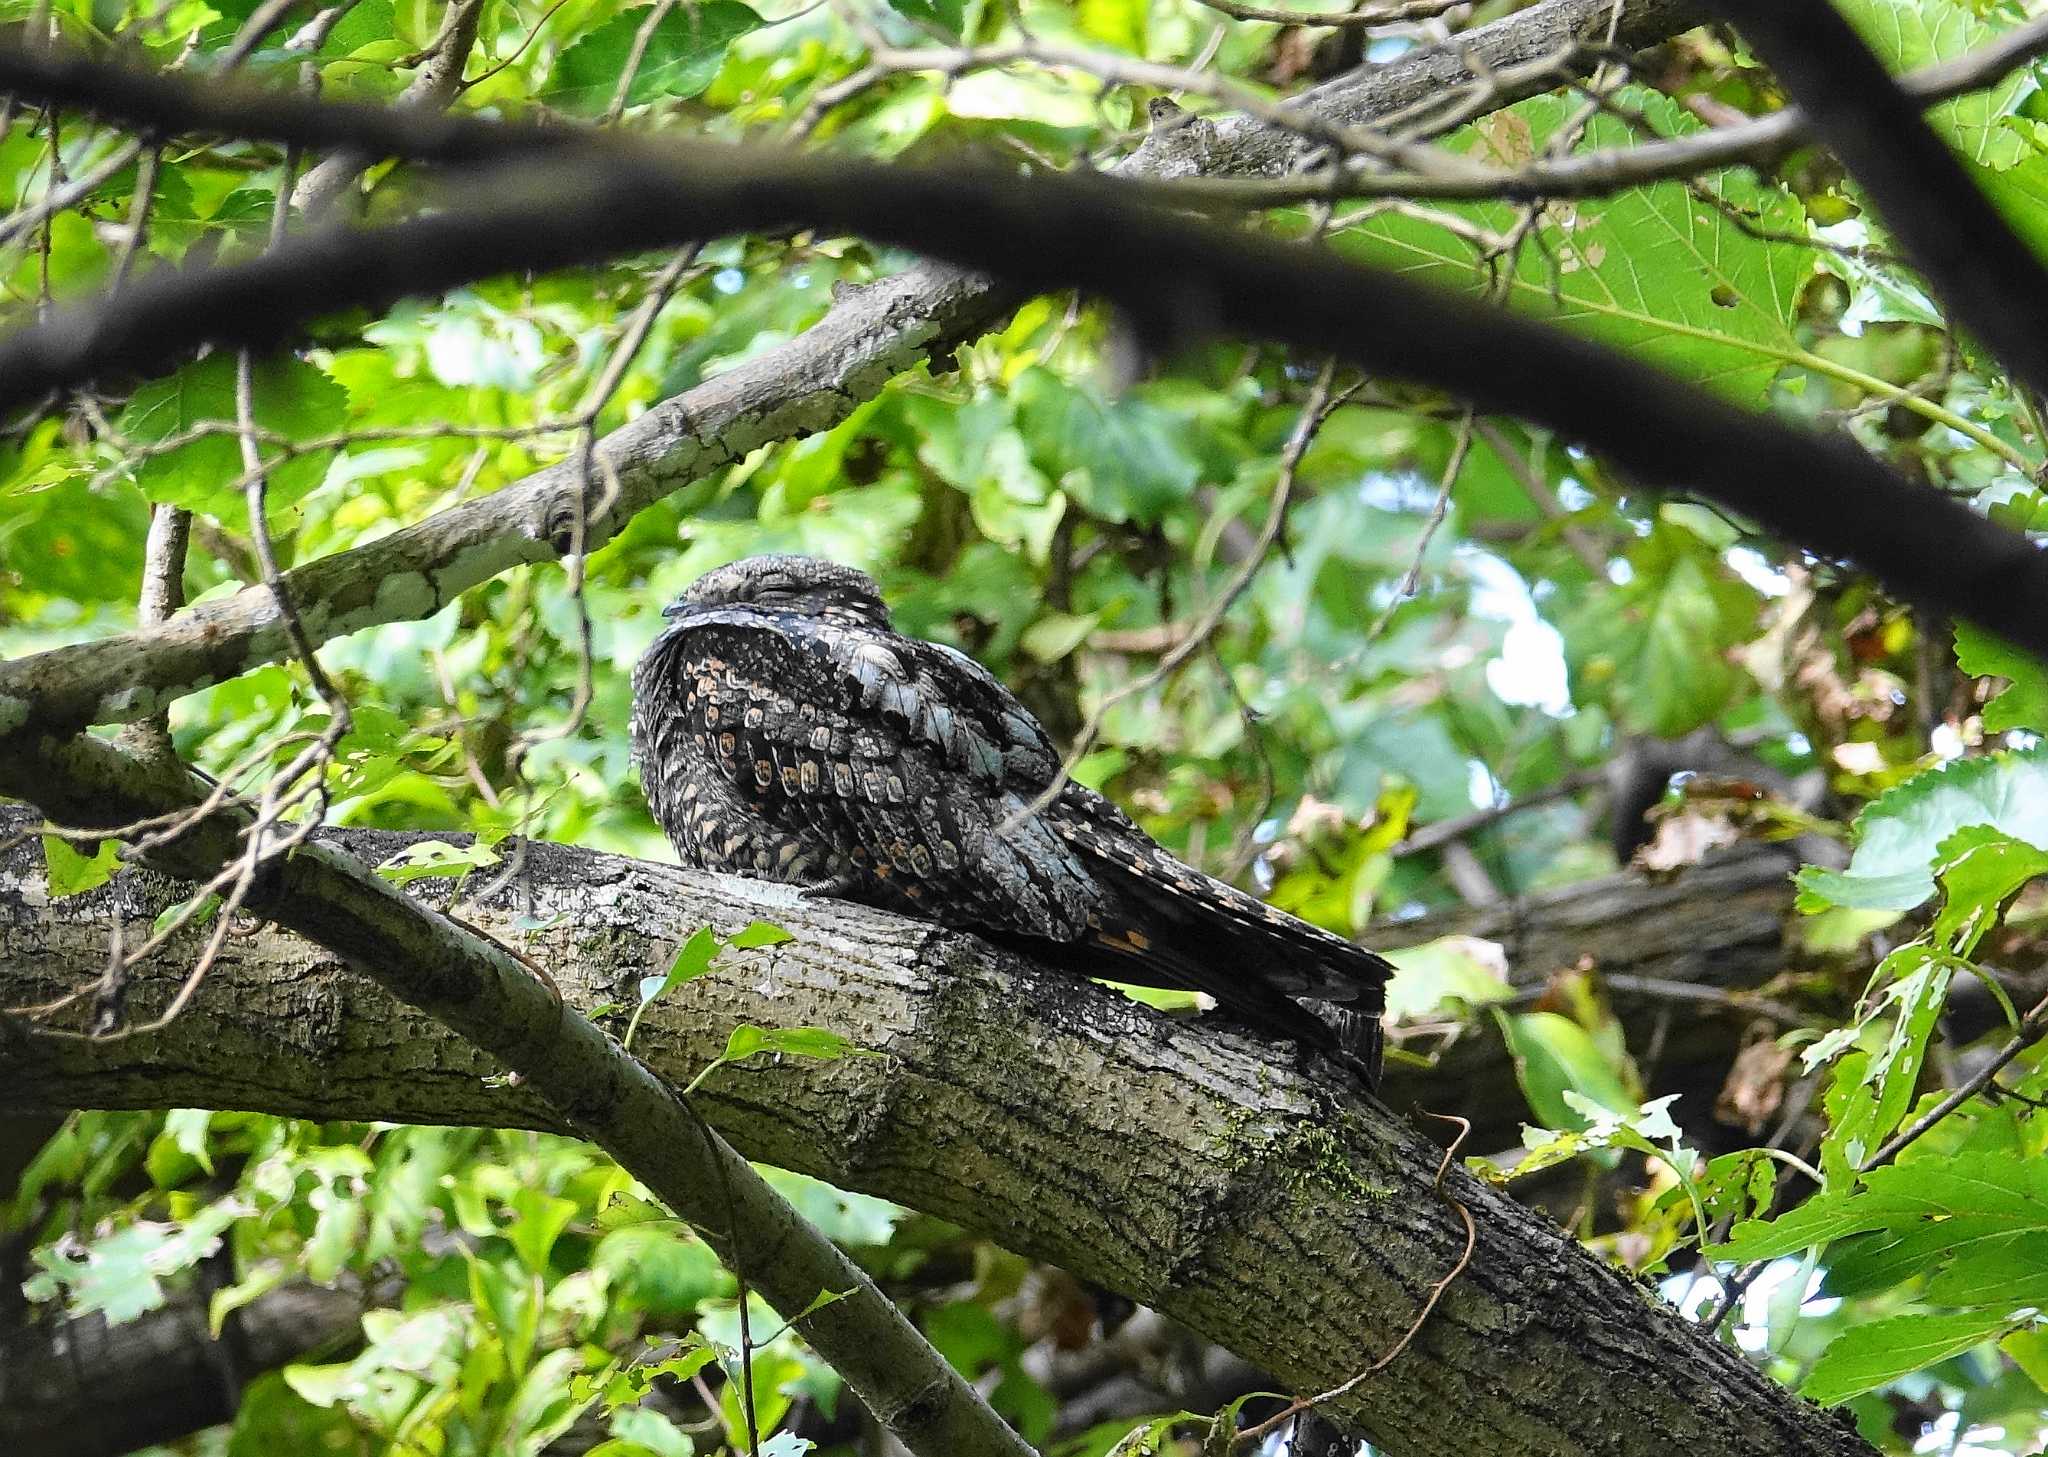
785	731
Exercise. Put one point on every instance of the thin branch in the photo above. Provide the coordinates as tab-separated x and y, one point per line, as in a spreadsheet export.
437	83
163	593
1461	446
1177	278
1442	832
635	58
1760	143
1664	989
1542	497
1313	412
1337	20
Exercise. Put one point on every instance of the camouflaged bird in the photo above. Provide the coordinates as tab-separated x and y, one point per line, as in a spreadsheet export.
785	731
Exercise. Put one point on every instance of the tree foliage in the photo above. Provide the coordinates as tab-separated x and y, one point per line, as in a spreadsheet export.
1340	638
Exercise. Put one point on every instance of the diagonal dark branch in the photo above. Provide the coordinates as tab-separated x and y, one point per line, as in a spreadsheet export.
1179	280
1989	279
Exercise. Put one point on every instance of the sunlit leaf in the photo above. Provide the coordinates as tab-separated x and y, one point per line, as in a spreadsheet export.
1899	834
429	859
681	58
1866	1356
72	873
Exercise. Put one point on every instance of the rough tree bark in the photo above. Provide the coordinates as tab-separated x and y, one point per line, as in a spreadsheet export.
89	1389
1201	1173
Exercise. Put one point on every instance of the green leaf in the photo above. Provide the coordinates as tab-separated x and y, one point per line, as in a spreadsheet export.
641	1431
1910	34
1552	1054
542	1218
1867	1356
697	956
1670	279
694	958
1657	649
118	1275
71	540
1900	833
945	14
1871	1094
1056	634
760	933
2029	1351
337	1236
683	56
1451	971
1647	1130
2023	702
71	873
366	22
1979	867
1123	460
656	1268
1958	1200
427	859
203	911
818	1042
288	397
2008	1271
844	1218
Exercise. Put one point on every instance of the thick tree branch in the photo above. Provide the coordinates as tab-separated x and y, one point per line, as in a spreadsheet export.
809	384
1989	279
84	1388
1718	929
1758	143
482	991
1198	1172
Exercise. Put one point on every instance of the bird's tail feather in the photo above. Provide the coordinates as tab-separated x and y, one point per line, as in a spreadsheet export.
1164	924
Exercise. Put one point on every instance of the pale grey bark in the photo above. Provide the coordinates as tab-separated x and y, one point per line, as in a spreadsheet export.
869	336
1206	1175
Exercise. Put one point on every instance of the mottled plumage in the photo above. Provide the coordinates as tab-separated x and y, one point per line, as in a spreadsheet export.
785	731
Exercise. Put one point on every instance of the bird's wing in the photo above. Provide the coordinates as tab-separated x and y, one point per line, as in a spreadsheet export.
885	747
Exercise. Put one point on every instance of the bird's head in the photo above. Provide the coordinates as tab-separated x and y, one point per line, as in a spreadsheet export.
806	586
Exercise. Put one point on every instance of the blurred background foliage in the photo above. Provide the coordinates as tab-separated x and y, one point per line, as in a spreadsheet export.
1460	621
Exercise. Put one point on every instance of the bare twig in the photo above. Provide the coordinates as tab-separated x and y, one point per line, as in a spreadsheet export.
1758	143
1461	445
433	87
2032	1028
1442	832
1337	20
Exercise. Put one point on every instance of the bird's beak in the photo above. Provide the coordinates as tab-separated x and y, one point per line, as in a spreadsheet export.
676	608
